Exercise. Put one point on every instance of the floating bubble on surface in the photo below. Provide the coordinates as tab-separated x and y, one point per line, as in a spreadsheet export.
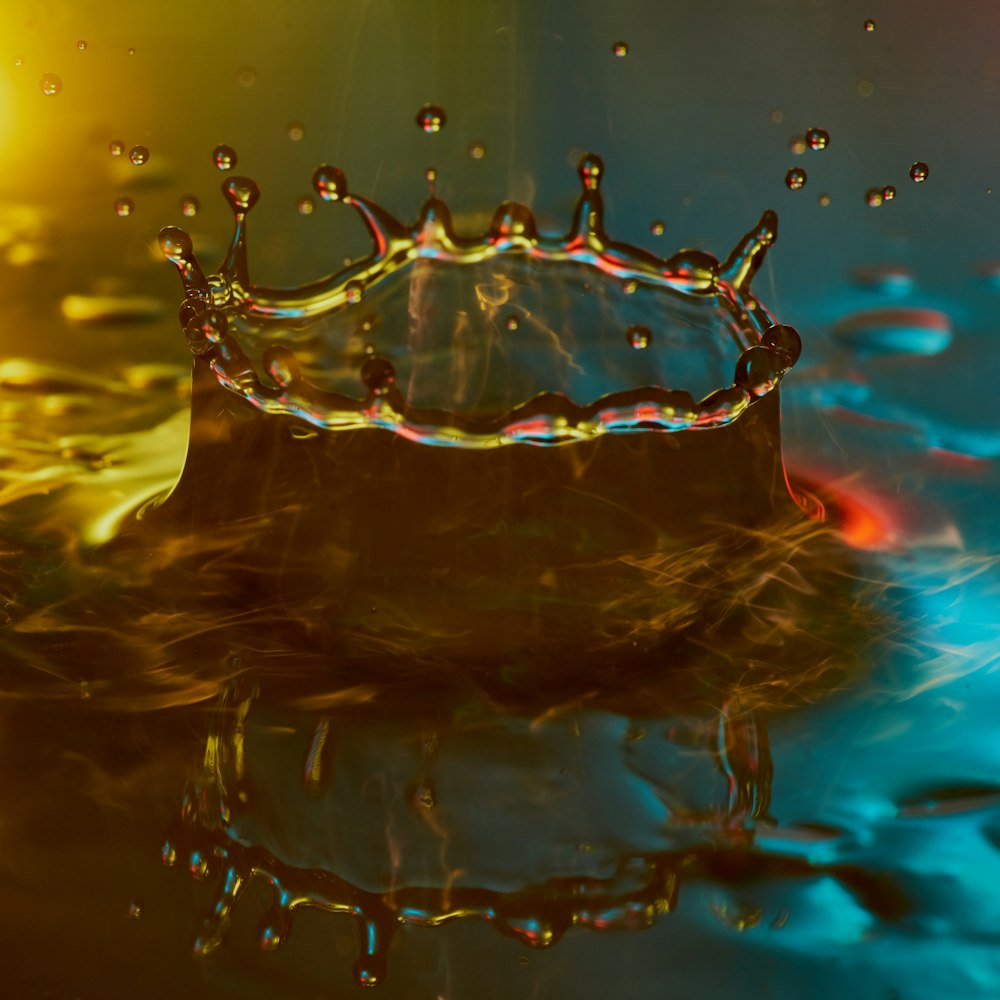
817	138
869	25
795	179
82	45
431	118
888	192
873	197
138	155
620	49
296	130
50	84
477	150
190	205
656	227
639	337
116	147
330	182
919	172
224	157
305	205
124	206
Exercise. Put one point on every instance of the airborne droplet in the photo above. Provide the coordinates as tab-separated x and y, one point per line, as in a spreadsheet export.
50	84
82	45
620	49
656	227
296	130
797	145
224	157
639	337
512	323
817	138
795	179
477	151
431	118
824	199
888	192
124	206
190	205
305	205
869	25
138	155
18	61
874	197
116	147
330	182
919	172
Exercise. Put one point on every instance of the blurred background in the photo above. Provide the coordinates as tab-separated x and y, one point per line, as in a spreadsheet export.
700	112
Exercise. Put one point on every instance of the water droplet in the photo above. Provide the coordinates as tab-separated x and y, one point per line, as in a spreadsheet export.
50	84
797	144
795	179
824	199
246	77
630	287
168	854
777	117
431	118
18	61
656	227
817	138
620	49
888	192
354	292
134	911
224	157
378	374
869	25
874	197
131	50
241	193
138	155
296	130
116	147
190	205
919	172
124	206
305	205
757	370
784	341
430	175
512	323
423	797
477	151
330	182
82	45
865	88
638	337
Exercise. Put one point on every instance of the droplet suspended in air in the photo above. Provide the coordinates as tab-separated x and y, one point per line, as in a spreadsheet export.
639	337
138	155
19	61
330	182
888	192
190	205
296	130
656	227
50	84
919	172
795	179
431	118
817	138
797	145
134	911
246	77
512	323
116	147
824	199
82	45
869	25
131	51
224	157
620	49
124	206
477	151
305	205
873	196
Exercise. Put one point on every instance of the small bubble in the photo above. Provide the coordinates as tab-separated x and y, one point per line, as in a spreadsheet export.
124	206
888	192
138	155
330	183
305	205
919	172
477	151
134	911
656	227
431	118
296	130
638	337
116	147
18	61
190	205
224	157
797	144
824	199
620	49
865	88
873	196
82	45
795	179
246	77
50	84
869	25
817	138
512	323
